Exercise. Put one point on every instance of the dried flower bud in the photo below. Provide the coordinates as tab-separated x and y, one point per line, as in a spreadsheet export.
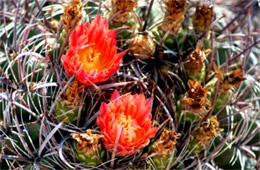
88	147
166	143
202	18
122	9
87	142
73	94
163	148
207	130
229	80
195	100
142	46
72	15
13	54
195	61
70	102
175	10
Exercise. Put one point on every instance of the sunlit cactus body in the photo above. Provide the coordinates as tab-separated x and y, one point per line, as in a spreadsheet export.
61	61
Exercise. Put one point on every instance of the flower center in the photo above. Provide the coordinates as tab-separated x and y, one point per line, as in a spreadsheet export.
130	127
90	59
126	121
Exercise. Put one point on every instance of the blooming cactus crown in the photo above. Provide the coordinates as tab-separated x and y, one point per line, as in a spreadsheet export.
92	55
129	118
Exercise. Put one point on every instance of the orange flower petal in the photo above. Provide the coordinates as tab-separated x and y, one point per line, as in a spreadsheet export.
132	114
92	55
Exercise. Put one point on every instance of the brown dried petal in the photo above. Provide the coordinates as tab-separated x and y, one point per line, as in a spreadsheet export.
72	15
195	60
207	130
175	10
229	80
202	18
87	142
195	100
124	7
165	143
73	94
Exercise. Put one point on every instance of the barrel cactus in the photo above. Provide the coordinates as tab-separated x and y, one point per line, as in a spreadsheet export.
129	84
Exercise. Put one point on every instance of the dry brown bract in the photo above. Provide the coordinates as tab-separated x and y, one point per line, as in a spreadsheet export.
195	100
202	18
207	130
88	143
229	80
166	143
194	62
175	10
73	94
72	15
121	10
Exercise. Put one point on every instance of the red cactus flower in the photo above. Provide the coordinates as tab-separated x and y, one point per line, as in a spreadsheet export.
92	55
128	121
